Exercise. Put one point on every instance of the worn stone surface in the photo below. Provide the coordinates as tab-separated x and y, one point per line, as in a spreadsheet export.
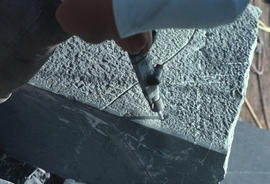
98	74
203	88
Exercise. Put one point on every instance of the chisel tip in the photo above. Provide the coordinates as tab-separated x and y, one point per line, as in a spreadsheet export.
160	114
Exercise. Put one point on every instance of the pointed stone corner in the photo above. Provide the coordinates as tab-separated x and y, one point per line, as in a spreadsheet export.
204	85
203	88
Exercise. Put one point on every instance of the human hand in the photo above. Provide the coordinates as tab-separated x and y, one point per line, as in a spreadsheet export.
93	21
138	44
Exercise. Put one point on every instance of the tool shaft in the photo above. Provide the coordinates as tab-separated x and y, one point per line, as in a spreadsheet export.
145	71
149	78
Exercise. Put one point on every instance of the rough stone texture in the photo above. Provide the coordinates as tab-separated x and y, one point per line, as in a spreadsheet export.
98	74
5	182
203	88
204	85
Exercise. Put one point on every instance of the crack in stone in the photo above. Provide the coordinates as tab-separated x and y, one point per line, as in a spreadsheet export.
131	87
119	96
180	50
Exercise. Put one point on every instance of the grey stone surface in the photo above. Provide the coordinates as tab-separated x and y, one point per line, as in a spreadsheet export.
98	74
5	182
203	88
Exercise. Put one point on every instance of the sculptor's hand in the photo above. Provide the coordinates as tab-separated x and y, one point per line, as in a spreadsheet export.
138	44
93	21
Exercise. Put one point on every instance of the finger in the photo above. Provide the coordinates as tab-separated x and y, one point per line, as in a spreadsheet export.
137	44
148	45
131	45
147	48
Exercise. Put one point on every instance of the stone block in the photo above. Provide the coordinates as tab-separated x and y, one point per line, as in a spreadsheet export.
206	75
204	85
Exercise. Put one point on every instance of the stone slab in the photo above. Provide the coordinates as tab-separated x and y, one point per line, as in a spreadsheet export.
249	161
205	78
206	74
204	85
77	141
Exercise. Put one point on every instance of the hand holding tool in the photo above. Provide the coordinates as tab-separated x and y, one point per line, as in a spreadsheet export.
149	78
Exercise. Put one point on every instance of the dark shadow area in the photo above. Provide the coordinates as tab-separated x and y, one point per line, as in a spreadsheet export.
17	172
77	141
249	161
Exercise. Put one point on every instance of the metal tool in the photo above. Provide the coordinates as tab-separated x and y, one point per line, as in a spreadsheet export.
149	78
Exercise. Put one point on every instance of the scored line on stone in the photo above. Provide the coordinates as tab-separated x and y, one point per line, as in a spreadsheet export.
178	52
119	96
167	61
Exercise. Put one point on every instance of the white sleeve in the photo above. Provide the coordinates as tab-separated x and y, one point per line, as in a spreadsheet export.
136	16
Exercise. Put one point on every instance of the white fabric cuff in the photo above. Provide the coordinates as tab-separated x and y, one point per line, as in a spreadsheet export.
137	16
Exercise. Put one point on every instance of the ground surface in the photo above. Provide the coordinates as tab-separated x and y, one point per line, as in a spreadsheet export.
253	94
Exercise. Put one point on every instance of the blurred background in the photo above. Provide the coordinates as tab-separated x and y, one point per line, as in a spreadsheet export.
256	109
